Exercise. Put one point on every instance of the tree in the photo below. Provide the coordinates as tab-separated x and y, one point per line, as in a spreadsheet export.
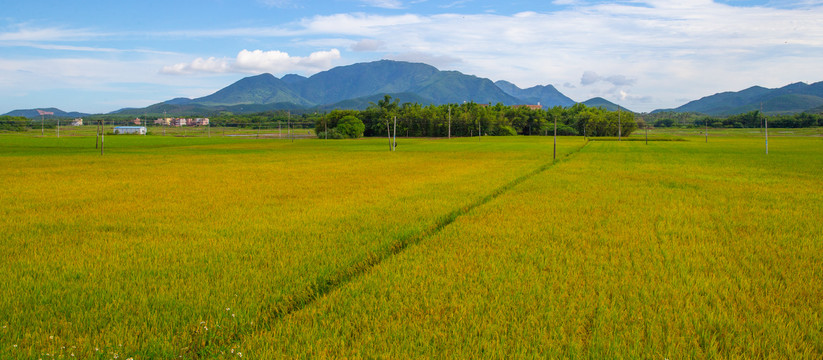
350	127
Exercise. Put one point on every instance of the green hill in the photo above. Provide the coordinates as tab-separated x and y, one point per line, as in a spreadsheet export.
792	98
606	104
547	95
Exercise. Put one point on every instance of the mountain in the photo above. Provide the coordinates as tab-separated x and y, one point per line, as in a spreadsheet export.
606	104
33	114
260	89
792	98
353	87
546	95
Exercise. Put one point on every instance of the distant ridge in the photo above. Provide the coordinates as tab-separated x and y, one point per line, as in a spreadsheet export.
792	98
356	86
33	114
547	95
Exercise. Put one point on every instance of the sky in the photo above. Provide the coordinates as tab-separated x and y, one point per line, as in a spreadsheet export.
99	56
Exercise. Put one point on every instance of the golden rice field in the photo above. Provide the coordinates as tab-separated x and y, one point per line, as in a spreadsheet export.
222	248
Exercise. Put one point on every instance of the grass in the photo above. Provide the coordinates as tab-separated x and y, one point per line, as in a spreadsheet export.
171	247
148	246
671	250
269	130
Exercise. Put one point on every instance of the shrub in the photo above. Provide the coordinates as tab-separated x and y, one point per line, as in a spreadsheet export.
506	130
332	134
350	127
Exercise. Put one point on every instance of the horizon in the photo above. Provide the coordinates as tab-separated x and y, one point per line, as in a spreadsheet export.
644	55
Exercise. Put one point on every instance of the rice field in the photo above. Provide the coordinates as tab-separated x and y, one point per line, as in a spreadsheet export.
218	247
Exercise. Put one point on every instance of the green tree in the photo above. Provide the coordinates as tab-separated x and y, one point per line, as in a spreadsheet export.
350	127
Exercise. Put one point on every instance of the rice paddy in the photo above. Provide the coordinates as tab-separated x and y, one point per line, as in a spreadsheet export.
222	247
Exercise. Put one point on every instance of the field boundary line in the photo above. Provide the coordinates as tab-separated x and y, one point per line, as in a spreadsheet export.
324	285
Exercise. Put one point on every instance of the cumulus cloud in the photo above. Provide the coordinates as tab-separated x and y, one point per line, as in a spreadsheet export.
257	61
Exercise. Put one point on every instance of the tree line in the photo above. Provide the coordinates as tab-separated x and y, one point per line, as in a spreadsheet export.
752	119
471	119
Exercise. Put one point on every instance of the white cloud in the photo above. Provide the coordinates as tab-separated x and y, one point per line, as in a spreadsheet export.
257	61
591	78
24	33
368	45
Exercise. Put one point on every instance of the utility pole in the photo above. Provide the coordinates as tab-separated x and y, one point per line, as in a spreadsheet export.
42	125
450	121
647	134
388	134
102	136
292	132
554	155
619	127
706	122
394	144
766	119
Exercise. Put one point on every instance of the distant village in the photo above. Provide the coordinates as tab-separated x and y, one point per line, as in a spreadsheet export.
178	122
161	121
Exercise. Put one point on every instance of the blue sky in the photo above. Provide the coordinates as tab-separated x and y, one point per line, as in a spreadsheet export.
99	56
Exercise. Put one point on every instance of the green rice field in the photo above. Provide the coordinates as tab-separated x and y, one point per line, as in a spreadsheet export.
169	247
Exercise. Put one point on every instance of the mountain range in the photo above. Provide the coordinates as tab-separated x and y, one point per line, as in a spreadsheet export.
33	114
356	86
792	98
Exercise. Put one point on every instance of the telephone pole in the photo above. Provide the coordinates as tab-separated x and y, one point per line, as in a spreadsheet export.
554	154
619	126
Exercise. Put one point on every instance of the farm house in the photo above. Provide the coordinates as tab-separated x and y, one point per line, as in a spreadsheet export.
139	130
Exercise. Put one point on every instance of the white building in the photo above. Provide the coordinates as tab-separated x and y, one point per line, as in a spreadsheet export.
139	130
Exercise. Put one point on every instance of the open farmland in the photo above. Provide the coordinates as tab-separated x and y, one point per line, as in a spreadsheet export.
207	248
